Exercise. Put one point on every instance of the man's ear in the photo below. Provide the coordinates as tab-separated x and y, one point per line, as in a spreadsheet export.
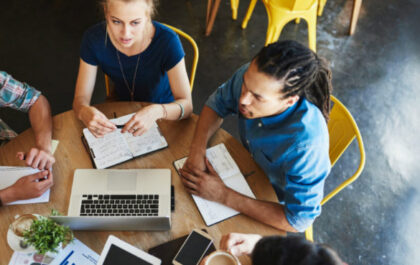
292	100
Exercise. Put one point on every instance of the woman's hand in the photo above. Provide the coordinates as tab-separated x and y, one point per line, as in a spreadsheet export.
97	123
143	120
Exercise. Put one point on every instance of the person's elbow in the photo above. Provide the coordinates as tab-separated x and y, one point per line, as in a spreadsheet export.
188	108
301	220
41	104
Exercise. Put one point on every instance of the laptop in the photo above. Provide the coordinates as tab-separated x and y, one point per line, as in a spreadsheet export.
119	199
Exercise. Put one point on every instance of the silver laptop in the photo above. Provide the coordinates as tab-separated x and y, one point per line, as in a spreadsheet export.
119	199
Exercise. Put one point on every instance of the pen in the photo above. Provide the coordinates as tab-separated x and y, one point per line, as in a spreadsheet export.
120	126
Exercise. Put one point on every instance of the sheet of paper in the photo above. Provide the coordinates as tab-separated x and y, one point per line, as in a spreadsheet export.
148	142
9	175
225	166
76	253
19	258
109	150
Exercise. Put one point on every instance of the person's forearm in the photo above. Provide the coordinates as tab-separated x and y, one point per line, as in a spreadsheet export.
41	122
78	103
207	125
264	211
6	196
173	111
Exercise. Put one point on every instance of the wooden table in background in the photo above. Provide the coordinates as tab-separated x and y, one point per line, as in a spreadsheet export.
71	155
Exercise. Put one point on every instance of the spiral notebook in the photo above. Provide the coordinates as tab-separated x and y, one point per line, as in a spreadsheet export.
225	166
116	147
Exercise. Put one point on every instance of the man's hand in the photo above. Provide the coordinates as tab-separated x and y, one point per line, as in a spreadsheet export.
239	244
37	158
97	123
195	161
143	120
28	187
206	185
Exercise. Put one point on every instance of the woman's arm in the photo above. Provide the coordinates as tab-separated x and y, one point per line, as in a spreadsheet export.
180	87
97	123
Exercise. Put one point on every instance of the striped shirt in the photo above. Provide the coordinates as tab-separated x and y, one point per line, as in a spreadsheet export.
16	95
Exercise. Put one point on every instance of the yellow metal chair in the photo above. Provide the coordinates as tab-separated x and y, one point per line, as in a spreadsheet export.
342	129
321	5
109	91
280	12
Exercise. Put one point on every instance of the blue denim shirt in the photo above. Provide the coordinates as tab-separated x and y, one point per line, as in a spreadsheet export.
291	148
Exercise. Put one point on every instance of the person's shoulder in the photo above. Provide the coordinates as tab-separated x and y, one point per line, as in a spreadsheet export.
312	126
163	31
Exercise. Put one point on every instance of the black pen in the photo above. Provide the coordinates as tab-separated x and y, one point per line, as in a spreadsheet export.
120	126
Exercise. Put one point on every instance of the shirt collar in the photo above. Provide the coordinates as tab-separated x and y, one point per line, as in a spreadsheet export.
282	116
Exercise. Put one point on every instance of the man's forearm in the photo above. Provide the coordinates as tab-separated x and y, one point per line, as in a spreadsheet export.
41	122
207	125
264	211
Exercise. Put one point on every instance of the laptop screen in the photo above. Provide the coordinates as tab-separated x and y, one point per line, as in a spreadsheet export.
116	255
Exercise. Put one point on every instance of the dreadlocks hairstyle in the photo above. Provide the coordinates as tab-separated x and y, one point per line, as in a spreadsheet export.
303	73
277	250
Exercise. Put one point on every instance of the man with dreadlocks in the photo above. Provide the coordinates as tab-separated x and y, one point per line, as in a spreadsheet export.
282	99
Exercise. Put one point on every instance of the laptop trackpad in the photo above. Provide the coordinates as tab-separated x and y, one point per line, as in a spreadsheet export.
125	182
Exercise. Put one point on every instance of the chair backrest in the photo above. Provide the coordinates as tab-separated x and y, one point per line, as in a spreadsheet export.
342	130
194	62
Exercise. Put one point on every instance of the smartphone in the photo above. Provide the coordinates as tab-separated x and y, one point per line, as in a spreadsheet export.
193	248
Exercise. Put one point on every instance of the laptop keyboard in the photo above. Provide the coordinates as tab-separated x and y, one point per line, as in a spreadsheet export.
119	205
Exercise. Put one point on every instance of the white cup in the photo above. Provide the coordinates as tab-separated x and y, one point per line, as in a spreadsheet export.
221	258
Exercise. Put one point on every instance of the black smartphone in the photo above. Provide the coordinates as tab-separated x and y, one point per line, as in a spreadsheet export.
193	248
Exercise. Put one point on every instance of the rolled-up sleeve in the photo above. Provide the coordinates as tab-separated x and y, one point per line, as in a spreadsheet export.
224	100
15	94
307	168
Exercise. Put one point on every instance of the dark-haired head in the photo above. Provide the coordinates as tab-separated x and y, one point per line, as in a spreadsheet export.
300	70
276	250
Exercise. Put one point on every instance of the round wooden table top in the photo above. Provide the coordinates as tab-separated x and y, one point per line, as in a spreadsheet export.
71	155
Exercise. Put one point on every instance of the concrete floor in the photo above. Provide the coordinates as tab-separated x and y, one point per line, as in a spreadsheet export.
376	74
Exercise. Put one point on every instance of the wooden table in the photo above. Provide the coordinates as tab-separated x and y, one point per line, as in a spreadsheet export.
71	155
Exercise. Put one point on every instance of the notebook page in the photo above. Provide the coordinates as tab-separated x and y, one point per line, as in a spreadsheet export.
109	150
225	166
148	142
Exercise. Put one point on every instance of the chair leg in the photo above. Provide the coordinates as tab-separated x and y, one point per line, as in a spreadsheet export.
355	15
309	234
321	6
274	30
212	15
234	5
248	13
312	32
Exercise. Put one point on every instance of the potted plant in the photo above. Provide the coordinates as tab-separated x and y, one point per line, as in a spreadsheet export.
45	235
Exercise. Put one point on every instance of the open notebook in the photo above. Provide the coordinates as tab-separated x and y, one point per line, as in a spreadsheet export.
116	147
225	166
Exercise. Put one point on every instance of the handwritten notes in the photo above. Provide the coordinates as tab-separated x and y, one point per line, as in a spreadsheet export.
117	147
225	166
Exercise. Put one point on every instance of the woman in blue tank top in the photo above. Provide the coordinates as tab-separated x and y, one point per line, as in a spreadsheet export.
145	61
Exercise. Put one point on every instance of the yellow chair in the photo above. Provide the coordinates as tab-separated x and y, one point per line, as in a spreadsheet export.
234	5
342	129
321	5
110	92
280	12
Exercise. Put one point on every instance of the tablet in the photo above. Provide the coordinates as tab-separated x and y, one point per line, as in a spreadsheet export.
117	251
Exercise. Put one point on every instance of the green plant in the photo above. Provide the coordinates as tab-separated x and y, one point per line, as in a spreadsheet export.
46	235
